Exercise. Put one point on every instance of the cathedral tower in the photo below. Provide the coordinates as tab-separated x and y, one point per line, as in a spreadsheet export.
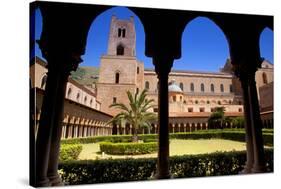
120	71
122	37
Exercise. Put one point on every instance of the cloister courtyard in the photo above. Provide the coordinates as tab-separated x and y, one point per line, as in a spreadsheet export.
177	147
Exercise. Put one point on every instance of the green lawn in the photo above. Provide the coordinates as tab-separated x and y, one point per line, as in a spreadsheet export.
177	147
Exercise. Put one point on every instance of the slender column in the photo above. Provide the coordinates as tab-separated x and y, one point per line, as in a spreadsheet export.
162	67
259	160
255	150
173	127
63	73
195	126
76	131
49	132
184	127
207	126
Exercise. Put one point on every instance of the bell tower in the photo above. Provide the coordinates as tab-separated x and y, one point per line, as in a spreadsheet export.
119	71
122	37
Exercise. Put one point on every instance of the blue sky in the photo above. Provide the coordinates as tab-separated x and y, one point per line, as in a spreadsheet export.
204	46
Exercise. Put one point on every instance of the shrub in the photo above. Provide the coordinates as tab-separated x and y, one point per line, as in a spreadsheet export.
120	170
70	152
128	148
228	134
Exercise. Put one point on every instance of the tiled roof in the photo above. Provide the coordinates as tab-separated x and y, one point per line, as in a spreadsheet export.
202	114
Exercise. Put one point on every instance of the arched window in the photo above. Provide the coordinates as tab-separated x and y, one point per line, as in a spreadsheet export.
91	101
137	90
120	49
43	81
69	92
230	88
191	87
138	70
123	32
85	100
202	87
158	85
222	88
78	96
219	102
117	75
181	86
147	85
212	88
119	32
264	78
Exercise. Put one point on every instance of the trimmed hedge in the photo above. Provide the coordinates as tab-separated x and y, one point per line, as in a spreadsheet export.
128	148
70	152
120	170
228	134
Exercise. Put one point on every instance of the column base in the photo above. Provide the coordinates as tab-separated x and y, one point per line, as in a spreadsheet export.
163	176
258	169
55	180
247	169
43	183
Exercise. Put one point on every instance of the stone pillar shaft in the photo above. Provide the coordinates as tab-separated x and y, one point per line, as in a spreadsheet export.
162	67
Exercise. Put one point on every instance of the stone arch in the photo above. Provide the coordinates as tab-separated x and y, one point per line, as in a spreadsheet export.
192	127
120	49
202	87
43	81
181	86
147	85
212	88
117	77
266	40
213	23
264	78
69	92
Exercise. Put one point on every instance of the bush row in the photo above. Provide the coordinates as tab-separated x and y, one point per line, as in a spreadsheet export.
238	135
128	148
69	152
120	170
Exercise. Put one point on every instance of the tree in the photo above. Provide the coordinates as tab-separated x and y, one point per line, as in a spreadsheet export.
217	117
238	122
136	113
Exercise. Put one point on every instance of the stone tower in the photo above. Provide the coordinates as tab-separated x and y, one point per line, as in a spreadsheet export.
122	37
120	71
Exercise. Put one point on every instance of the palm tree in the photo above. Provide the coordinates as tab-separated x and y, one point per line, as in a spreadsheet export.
217	116
136	113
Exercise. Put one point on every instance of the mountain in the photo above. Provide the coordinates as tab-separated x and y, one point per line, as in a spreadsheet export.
86	75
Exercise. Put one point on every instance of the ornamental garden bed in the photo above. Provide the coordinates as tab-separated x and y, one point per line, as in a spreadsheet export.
129	148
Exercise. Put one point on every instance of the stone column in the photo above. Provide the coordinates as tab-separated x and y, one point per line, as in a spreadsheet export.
173	128
255	150
195	126
184	127
162	68
131	127
259	160
50	125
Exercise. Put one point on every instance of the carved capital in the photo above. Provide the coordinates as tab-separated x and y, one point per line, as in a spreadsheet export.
163	66
246	71
60	61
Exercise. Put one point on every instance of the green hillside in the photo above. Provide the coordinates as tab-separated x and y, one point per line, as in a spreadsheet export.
86	75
